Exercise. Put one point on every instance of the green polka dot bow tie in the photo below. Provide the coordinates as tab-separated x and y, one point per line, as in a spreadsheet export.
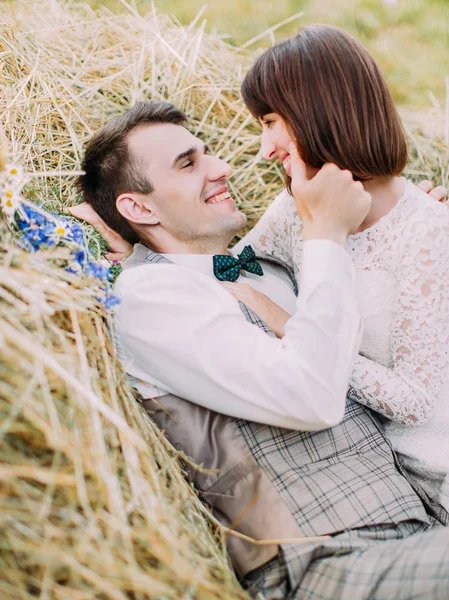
227	268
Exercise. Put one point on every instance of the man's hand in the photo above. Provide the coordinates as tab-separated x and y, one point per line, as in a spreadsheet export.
439	193
120	248
331	204
272	314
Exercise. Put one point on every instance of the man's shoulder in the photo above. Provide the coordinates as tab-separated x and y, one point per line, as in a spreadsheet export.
152	276
162	283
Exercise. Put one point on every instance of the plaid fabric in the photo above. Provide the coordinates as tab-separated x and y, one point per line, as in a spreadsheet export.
320	474
333	481
253	318
390	563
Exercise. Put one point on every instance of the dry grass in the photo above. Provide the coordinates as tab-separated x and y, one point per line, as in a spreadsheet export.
93	500
94	503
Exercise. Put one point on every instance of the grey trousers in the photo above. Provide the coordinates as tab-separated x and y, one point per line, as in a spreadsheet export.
403	562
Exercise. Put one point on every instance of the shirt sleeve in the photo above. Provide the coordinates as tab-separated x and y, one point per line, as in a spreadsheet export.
408	390
183	332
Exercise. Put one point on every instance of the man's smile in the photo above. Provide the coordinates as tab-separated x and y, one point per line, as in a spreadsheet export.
220	195
224	197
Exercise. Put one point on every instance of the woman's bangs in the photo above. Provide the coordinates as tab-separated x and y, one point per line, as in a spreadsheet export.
254	93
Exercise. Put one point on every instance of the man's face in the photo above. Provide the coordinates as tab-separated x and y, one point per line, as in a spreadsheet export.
191	199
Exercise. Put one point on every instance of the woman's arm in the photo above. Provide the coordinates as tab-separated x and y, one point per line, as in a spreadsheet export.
120	248
408	391
272	234
271	313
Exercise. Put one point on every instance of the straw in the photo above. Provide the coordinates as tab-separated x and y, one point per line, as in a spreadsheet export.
94	501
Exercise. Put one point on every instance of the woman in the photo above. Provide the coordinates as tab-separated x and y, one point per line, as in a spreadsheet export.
323	90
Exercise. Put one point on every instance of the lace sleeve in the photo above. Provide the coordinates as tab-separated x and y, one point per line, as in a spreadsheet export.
419	342
273	234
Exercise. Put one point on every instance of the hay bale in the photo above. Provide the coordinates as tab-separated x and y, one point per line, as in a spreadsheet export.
94	502
93	499
67	69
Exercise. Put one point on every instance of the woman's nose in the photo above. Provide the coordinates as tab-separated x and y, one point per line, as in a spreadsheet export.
268	148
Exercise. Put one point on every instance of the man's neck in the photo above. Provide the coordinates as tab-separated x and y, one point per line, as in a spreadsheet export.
385	193
174	246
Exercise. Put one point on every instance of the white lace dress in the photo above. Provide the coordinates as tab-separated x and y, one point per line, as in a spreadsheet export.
402	284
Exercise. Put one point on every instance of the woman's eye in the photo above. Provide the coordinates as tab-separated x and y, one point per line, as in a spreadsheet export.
188	163
268	123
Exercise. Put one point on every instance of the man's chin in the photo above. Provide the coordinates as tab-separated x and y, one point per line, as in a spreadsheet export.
236	221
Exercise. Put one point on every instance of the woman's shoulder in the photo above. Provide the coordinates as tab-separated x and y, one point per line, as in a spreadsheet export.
418	207
423	224
284	201
281	212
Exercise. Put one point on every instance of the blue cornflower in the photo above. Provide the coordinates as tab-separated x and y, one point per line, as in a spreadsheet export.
111	301
74	268
97	270
80	256
42	229
75	233
34	217
33	239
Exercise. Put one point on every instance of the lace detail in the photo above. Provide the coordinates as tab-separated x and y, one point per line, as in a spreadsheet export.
278	234
402	284
445	493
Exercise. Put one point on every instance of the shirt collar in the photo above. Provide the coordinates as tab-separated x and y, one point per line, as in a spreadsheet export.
201	263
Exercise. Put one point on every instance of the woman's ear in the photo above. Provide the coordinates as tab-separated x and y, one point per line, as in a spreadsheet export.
133	208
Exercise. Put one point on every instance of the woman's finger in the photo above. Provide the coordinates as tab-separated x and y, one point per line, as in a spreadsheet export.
234	286
298	170
116	256
85	212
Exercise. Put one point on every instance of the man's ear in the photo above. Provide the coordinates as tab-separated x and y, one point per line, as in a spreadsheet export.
132	207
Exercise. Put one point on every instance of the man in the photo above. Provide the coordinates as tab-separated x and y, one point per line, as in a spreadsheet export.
287	463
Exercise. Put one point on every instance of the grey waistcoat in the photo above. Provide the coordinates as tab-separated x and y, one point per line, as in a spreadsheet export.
271	483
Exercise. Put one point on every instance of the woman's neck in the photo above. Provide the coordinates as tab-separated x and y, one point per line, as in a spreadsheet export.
385	192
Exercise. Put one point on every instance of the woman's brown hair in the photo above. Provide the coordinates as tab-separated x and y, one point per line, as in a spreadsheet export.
333	98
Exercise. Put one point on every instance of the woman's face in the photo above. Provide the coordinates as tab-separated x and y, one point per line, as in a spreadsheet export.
275	139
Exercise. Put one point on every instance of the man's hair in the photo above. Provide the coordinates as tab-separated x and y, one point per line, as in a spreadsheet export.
334	99
111	170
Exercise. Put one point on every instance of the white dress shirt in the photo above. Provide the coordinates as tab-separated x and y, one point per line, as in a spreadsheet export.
179	331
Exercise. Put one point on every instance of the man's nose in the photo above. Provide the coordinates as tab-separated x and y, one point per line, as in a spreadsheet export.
219	169
267	147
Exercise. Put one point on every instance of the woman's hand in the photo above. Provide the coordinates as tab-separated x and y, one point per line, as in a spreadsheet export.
272	314
120	248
